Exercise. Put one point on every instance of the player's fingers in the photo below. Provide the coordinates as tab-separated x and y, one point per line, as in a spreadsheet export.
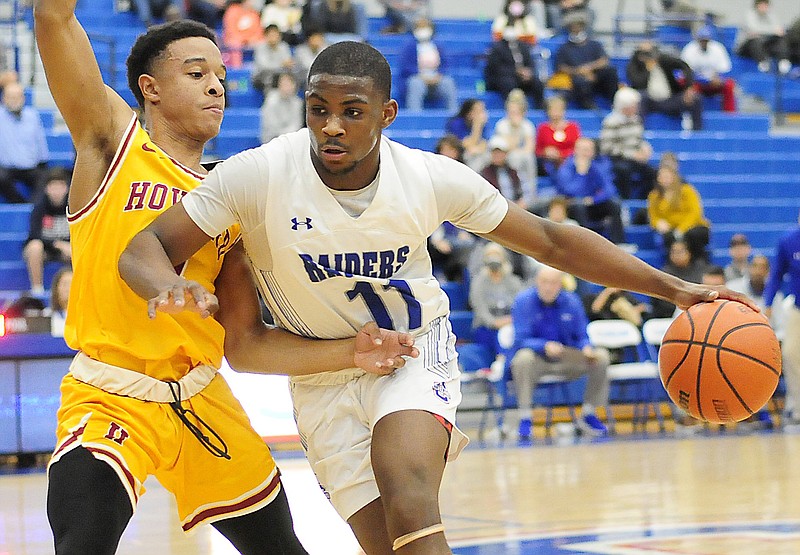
405	339
373	331
178	296
212	304
399	362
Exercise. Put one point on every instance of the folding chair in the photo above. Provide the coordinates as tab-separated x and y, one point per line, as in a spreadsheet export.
640	375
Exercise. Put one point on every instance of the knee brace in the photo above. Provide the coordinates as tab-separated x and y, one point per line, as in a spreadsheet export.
406	539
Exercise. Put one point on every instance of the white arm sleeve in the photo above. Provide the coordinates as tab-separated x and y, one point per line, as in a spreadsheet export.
234	192
463	197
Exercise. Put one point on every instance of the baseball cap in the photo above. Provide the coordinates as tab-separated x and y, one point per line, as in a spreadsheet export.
499	143
739	239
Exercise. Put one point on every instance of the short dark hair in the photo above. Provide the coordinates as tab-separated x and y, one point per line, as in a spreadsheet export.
58	173
354	59
714	270
154	42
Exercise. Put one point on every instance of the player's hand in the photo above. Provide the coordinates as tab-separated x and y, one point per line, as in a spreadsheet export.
694	293
381	351
184	296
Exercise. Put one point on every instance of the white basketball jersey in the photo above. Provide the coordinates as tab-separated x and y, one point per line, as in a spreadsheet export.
324	273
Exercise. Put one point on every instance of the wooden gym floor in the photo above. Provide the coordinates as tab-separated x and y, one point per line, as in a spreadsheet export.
729	493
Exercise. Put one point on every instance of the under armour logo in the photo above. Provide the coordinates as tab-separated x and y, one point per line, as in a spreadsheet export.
296	224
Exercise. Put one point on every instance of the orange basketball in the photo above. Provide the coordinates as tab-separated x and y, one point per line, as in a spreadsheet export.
720	361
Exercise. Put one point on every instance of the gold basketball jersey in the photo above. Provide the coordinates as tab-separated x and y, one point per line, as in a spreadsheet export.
105	318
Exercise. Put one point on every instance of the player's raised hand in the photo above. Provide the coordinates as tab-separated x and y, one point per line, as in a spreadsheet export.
695	293
183	296
381	351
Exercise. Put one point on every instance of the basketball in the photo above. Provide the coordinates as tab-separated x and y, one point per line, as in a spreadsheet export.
720	361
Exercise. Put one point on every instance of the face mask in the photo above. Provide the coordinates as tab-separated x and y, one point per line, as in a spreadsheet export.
510	34
578	37
516	9
423	34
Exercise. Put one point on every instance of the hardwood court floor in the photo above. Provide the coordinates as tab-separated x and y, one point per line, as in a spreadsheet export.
727	494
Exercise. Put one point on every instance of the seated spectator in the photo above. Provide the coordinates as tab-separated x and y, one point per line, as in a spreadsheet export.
680	264
451	146
23	145
588	184
675	211
492	291
269	59
470	125
572	8
403	14
285	15
753	284
305	53
622	140
339	20
59	297
710	62
558	210
615	304
739	250
423	69
501	175
241	28
449	248
666	83
8	73
555	138
48	233
713	275
520	135
550	338
509	66
151	10
208	12
585	62
516	15
282	111
763	37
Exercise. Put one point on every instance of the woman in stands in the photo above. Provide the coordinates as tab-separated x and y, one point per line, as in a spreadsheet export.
470	125
555	138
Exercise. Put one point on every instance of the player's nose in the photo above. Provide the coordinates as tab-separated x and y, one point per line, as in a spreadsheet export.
333	126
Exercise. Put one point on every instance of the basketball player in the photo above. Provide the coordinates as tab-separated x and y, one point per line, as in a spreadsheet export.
144	397
335	218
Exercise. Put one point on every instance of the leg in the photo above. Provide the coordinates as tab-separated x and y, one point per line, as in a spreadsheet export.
606	82
791	352
408	469
415	93
8	187
582	92
609	209
33	253
369	526
446	89
728	95
267	530
87	506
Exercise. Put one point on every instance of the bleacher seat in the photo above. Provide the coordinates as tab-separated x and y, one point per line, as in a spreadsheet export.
457	293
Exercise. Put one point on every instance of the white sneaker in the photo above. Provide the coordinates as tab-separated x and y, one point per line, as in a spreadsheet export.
763	67
784	66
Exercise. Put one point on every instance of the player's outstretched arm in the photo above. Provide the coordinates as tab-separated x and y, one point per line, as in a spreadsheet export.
252	346
584	253
95	115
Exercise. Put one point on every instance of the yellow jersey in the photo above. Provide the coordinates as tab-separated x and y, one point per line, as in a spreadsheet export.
105	319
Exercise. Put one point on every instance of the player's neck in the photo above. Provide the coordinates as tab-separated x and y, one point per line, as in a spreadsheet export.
180	148
361	175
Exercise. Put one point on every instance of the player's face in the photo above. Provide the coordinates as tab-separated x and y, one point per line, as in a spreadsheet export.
187	87
345	117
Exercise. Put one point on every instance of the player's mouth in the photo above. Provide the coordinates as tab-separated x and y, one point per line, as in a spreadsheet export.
217	109
332	153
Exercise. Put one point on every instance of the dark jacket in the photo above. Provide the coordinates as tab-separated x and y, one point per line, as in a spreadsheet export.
500	65
679	75
489	173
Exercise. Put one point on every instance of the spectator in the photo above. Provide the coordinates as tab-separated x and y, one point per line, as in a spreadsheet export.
555	138
285	15
241	28
785	263
150	10
500	174
403	14
557	211
270	58
282	111
520	134
550	338
754	284
739	250
451	146
622	139
491	295
710	62
510	66
470	125
679	263
423	69
587	65
450	248
763	37
59	297
208	12
588	183
339	20
612	304
793	44
305	54
713	275
48	234
8	73
575	8
675	211
23	145
666	83
516	15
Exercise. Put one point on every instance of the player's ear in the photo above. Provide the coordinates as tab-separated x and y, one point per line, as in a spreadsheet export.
389	112
148	86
